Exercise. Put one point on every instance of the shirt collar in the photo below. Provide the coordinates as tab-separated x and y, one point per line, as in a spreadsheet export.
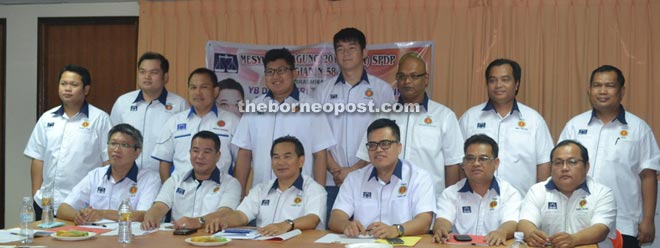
424	103
397	171
364	77
298	184
215	175
84	109
132	174
192	111
493	185
162	98
489	106
621	116
295	94
551	185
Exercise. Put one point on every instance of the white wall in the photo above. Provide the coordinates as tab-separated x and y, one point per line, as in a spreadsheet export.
21	88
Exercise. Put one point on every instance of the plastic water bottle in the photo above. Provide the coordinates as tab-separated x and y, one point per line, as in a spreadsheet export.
124	230
26	217
48	213
519	240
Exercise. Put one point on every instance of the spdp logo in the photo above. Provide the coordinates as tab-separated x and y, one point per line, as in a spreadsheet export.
225	62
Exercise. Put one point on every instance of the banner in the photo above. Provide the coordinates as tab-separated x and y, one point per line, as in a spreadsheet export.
314	63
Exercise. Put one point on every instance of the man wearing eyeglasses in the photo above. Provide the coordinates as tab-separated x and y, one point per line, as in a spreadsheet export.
431	138
100	193
257	130
480	204
352	86
389	197
172	146
622	147
520	131
569	208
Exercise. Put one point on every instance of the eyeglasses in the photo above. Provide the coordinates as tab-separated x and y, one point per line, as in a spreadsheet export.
279	71
114	145
403	77
571	162
472	159
384	144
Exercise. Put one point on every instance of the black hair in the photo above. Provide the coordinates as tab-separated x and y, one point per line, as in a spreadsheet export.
128	130
202	70
348	35
515	67
280	53
164	64
383	123
583	150
482	139
77	69
230	83
210	136
300	151
607	68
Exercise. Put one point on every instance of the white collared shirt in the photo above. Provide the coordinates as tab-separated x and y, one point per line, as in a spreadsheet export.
148	117
99	190
268	204
256	132
187	197
348	128
176	137
69	148
472	214
552	212
368	199
618	152
431	139
522	136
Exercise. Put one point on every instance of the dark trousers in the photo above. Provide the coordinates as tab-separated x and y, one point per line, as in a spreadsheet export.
37	211
630	241
332	195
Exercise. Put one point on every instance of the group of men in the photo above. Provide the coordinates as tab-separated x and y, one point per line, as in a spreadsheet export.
385	175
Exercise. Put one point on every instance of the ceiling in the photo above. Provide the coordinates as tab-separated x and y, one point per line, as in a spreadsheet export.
21	2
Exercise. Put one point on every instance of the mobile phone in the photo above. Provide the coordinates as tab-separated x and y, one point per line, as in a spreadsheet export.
394	241
463	238
184	231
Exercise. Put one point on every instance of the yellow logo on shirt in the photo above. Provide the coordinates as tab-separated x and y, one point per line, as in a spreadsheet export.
168	106
493	204
428	120
221	123
403	189
133	190
369	93
297	200
521	123
583	203
85	124
296	109
624	133
215	190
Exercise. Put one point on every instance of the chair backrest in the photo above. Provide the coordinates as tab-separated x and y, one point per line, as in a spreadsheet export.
617	242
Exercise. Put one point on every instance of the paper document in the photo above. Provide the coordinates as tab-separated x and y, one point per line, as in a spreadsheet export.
342	239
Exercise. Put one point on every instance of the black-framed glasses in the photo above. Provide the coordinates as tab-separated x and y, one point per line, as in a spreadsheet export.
279	71
403	77
572	162
469	159
114	145
384	144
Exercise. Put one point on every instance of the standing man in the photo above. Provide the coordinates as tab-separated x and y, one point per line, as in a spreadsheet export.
149	107
388	198
100	193
200	193
480	204
431	138
68	141
203	115
622	148
352	86
520	131
570	208
257	130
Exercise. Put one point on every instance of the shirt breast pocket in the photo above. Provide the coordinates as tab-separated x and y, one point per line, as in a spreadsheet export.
85	139
624	150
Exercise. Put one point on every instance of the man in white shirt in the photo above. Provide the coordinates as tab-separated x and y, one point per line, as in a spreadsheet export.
519	130
569	209
480	204
201	193
177	132
431	138
292	201
148	107
68	141
257	130
391	197
100	193
621	147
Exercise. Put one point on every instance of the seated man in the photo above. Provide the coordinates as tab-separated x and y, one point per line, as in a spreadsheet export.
392	197
291	201
100	193
480	204
569	208
199	194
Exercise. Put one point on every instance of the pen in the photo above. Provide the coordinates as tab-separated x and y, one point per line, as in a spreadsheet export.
97	224
617	140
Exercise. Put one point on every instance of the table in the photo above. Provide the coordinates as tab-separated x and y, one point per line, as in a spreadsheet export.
163	239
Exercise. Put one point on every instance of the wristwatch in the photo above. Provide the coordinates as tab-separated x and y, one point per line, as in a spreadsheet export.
201	220
399	228
290	223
